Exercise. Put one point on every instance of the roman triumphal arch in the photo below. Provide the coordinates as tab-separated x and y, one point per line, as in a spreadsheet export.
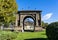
22	15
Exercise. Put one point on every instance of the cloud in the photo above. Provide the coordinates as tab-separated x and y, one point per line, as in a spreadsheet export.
47	16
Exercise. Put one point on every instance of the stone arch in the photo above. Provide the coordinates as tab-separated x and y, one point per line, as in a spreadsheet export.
31	18
23	14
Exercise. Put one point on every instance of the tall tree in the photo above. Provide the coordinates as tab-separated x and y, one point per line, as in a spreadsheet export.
8	9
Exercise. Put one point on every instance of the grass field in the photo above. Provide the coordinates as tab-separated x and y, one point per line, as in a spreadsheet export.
32	35
23	35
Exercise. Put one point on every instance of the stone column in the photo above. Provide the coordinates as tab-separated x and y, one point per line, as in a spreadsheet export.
37	19
21	24
22	29
16	22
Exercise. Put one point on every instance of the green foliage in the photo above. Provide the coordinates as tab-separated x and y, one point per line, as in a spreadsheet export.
1	18
8	9
8	6
52	31
44	25
7	35
4	35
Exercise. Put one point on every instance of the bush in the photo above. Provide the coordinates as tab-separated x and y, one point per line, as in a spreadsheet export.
52	31
7	35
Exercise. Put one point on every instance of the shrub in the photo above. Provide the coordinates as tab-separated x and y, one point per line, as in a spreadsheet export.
7	35
52	31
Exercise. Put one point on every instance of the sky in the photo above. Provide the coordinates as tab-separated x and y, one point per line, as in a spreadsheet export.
49	8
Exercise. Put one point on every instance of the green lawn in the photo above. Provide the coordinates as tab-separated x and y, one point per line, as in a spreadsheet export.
22	35
30	35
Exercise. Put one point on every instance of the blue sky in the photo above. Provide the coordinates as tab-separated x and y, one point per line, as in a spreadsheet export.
49	8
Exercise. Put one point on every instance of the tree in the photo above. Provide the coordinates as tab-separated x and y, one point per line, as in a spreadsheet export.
52	31
8	9
44	25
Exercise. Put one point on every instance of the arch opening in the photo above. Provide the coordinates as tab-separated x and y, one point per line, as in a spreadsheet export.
29	23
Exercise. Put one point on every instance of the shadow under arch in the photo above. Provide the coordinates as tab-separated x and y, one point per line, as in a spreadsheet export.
34	23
